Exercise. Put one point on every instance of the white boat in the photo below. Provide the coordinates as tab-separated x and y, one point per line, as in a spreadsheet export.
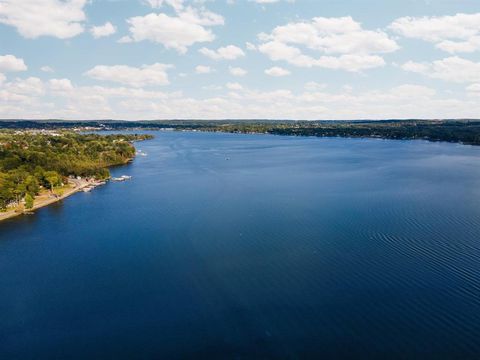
121	178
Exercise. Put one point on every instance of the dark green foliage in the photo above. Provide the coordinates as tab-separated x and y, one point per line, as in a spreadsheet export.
28	201
31	160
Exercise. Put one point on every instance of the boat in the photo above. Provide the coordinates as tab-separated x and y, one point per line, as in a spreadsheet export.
121	178
87	189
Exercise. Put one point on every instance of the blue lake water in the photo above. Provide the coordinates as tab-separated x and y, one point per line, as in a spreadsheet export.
254	246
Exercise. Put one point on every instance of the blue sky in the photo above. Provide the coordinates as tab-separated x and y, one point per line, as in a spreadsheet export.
303	59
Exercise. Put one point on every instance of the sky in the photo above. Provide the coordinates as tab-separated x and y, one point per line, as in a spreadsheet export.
239	59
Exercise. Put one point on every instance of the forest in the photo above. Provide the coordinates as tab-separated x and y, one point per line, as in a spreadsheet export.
34	160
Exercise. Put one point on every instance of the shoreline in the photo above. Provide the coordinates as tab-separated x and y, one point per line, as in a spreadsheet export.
78	185
95	154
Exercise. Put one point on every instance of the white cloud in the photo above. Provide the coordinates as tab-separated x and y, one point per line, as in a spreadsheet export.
314	86
416	67
34	18
474	88
237	71
234	86
230	52
178	32
202	69
31	98
103	30
125	40
270	1
277	71
201	16
29	86
176	4
212	87
414	91
47	69
350	62
457	33
155	74
453	69
341	41
60	85
10	63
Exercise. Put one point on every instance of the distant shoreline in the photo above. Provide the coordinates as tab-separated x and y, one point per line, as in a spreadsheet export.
462	131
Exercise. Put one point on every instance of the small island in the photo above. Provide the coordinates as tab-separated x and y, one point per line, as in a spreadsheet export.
40	167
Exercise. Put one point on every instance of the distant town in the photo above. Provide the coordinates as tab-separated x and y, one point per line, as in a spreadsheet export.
466	131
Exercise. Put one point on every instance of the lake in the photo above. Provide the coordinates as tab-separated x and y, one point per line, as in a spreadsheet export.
254	246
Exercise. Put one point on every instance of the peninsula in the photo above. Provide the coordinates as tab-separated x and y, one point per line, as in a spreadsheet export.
40	167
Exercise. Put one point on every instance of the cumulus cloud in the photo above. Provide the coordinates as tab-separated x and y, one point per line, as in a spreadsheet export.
474	88
10	63
34	18
314	86
277	71
176	4
234	86
341	42
203	69
31	98
187	27
270	1
47	69
453	34
453	69
155	74
237	71
29	86
60	85
103	30
230	52
212	87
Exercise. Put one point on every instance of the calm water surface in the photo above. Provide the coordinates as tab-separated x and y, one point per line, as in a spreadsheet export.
253	246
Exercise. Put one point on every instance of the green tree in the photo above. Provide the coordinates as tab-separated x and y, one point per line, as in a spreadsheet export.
52	179
32	186
28	201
